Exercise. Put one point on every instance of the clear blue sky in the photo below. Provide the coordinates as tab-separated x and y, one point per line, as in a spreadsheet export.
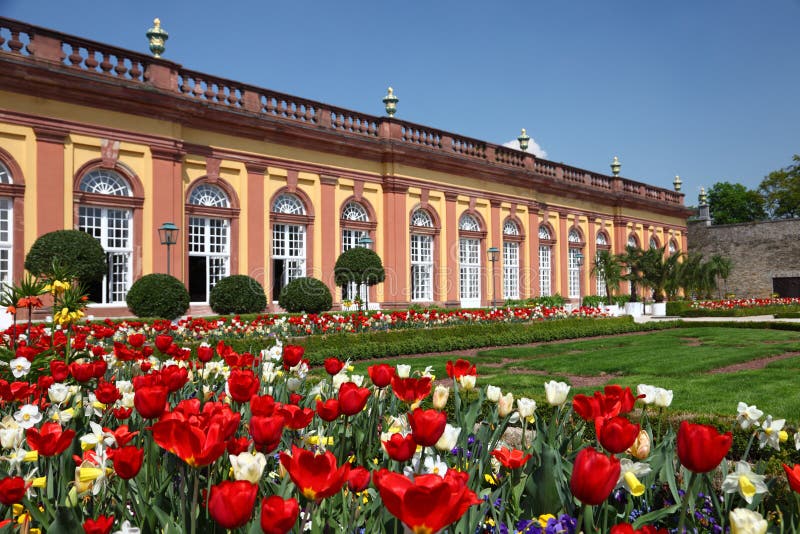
706	89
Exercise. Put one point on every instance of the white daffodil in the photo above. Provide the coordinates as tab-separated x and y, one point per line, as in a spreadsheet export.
556	392
127	528
432	465
95	437
663	397
124	386
19	367
629	475
747	416
403	370
357	380
440	395
449	438
62	416
772	433
493	393
648	391
744	521
745	482
28	416
338	379
11	435
248	466
526	407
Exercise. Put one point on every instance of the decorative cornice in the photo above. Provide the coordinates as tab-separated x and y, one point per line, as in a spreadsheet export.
50	135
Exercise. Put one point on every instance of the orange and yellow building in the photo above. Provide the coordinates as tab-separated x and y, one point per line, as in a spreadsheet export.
117	143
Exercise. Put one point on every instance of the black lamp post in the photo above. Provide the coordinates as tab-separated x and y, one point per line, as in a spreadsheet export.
168	235
365	242
579	261
494	252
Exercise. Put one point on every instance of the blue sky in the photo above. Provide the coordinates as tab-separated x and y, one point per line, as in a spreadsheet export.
706	89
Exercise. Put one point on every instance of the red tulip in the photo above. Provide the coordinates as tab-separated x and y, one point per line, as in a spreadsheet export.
127	461
588	408
163	341
429	503
614	394
59	370
292	354
204	353
122	436
12	490
82	372
99	367
411	390
107	392
262	405
136	340
358	479
460	368
625	528
51	440
400	448
315	475
328	410
266	432
242	384
295	417
150	401
511	458
381	374
594	475
231	502
174	377
616	434
101	525
194	445
701	448
278	516
793	475
352	398
238	445
122	413
295	398
333	366
427	426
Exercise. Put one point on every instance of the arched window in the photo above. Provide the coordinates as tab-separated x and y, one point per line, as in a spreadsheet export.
6	230
633	241
653	242
511	240
421	256
113	227
209	242
288	242
354	230
673	246
469	261
601	244
574	263
546	242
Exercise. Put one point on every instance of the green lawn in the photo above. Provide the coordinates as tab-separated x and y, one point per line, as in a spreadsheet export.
677	359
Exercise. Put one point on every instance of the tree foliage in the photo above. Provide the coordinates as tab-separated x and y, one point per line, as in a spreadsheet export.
359	265
608	267
158	295
734	203
307	295
80	252
781	191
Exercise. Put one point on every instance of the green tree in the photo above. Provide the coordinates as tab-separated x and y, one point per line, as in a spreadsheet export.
734	203
721	266
781	191
660	272
608	268
359	265
633	259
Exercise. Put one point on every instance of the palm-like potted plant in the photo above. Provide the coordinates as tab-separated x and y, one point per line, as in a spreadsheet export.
633	261
608	267
660	274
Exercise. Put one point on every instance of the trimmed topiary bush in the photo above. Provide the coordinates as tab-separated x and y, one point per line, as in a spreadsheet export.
158	295
238	293
307	295
359	265
73	249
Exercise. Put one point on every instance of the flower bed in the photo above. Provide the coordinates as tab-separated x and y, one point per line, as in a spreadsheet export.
110	431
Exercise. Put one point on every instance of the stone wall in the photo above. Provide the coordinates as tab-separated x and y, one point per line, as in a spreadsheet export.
759	252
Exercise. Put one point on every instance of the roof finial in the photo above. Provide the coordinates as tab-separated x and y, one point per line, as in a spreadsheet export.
157	37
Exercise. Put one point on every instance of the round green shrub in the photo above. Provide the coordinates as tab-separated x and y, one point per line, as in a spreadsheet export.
307	295
359	265
158	295
78	251
238	293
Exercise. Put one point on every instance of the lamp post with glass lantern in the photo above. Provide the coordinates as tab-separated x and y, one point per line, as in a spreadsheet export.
168	235
494	252
365	242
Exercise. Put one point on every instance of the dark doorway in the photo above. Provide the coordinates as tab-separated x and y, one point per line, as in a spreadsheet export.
786	287
277	278
197	279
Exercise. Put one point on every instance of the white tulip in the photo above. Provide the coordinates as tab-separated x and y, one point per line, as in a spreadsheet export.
556	392
505	404
248	466
493	393
663	397
449	438
526	407
744	521
403	370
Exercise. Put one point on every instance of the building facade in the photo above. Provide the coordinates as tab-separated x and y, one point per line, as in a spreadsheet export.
117	143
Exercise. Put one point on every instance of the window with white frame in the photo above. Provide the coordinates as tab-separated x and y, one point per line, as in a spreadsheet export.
510	261
545	263
602	244
288	244
632	241
421	258
351	238
653	243
113	228
6	230
673	247
469	262
209	243
574	261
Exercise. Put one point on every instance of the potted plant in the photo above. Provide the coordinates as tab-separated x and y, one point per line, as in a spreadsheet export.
608	268
659	272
